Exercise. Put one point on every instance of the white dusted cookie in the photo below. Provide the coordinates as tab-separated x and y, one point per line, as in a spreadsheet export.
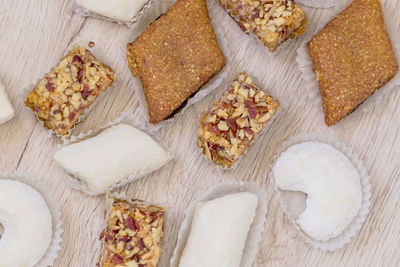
6	109
114	155
119	10
331	182
219	231
27	224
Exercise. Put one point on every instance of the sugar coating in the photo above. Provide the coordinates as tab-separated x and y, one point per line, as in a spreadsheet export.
27	225
352	57
122	10
111	156
6	109
175	56
331	182
219	231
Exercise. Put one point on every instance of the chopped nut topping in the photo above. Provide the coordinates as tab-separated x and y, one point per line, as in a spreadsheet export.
74	84
133	235
233	122
273	21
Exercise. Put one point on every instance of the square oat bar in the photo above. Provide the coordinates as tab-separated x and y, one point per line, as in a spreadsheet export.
133	235
234	121
63	95
273	21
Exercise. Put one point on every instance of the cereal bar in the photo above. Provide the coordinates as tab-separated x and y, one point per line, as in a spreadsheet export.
133	235
235	120
273	21
64	94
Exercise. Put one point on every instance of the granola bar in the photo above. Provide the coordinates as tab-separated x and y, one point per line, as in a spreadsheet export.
133	235
63	95
175	56
235	120
273	21
352	58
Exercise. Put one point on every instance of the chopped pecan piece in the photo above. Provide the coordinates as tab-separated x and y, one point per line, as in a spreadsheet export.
234	121
63	95
133	235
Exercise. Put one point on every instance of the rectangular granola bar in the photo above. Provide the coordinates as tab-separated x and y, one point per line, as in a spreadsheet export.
235	120
273	21
63	95
133	235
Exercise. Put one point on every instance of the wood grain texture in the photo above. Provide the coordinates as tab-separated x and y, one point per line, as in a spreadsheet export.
35	34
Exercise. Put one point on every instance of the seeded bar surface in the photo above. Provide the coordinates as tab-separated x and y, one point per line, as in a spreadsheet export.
63	95
175	56
235	120
133	235
352	57
272	21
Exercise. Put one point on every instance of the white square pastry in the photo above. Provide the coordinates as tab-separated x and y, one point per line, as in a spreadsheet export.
121	10
6	109
112	156
219	231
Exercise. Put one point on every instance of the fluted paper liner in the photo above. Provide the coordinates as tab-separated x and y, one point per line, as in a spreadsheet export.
306	67
109	200
320	3
205	90
292	205
126	118
82	11
56	238
99	55
255	232
263	131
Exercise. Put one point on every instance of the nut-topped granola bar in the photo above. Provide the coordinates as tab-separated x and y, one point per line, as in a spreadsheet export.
234	121
273	21
133	235
63	95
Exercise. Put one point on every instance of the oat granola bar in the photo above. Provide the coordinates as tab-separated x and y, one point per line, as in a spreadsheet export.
273	21
352	58
63	95
174	57
133	235
235	120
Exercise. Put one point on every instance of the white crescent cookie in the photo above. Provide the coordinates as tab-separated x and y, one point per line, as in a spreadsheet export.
122	10
111	156
331	182
26	220
6	109
219	231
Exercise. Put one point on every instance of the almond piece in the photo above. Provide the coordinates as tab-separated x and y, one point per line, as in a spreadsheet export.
223	126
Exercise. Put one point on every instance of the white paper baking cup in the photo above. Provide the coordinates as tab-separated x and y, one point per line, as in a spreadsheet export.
126	118
82	11
219	190
292	204
306	67
205	90
262	133
320	3
99	55
108	204
56	239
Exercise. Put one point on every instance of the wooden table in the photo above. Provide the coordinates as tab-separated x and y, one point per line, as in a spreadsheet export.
35	34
